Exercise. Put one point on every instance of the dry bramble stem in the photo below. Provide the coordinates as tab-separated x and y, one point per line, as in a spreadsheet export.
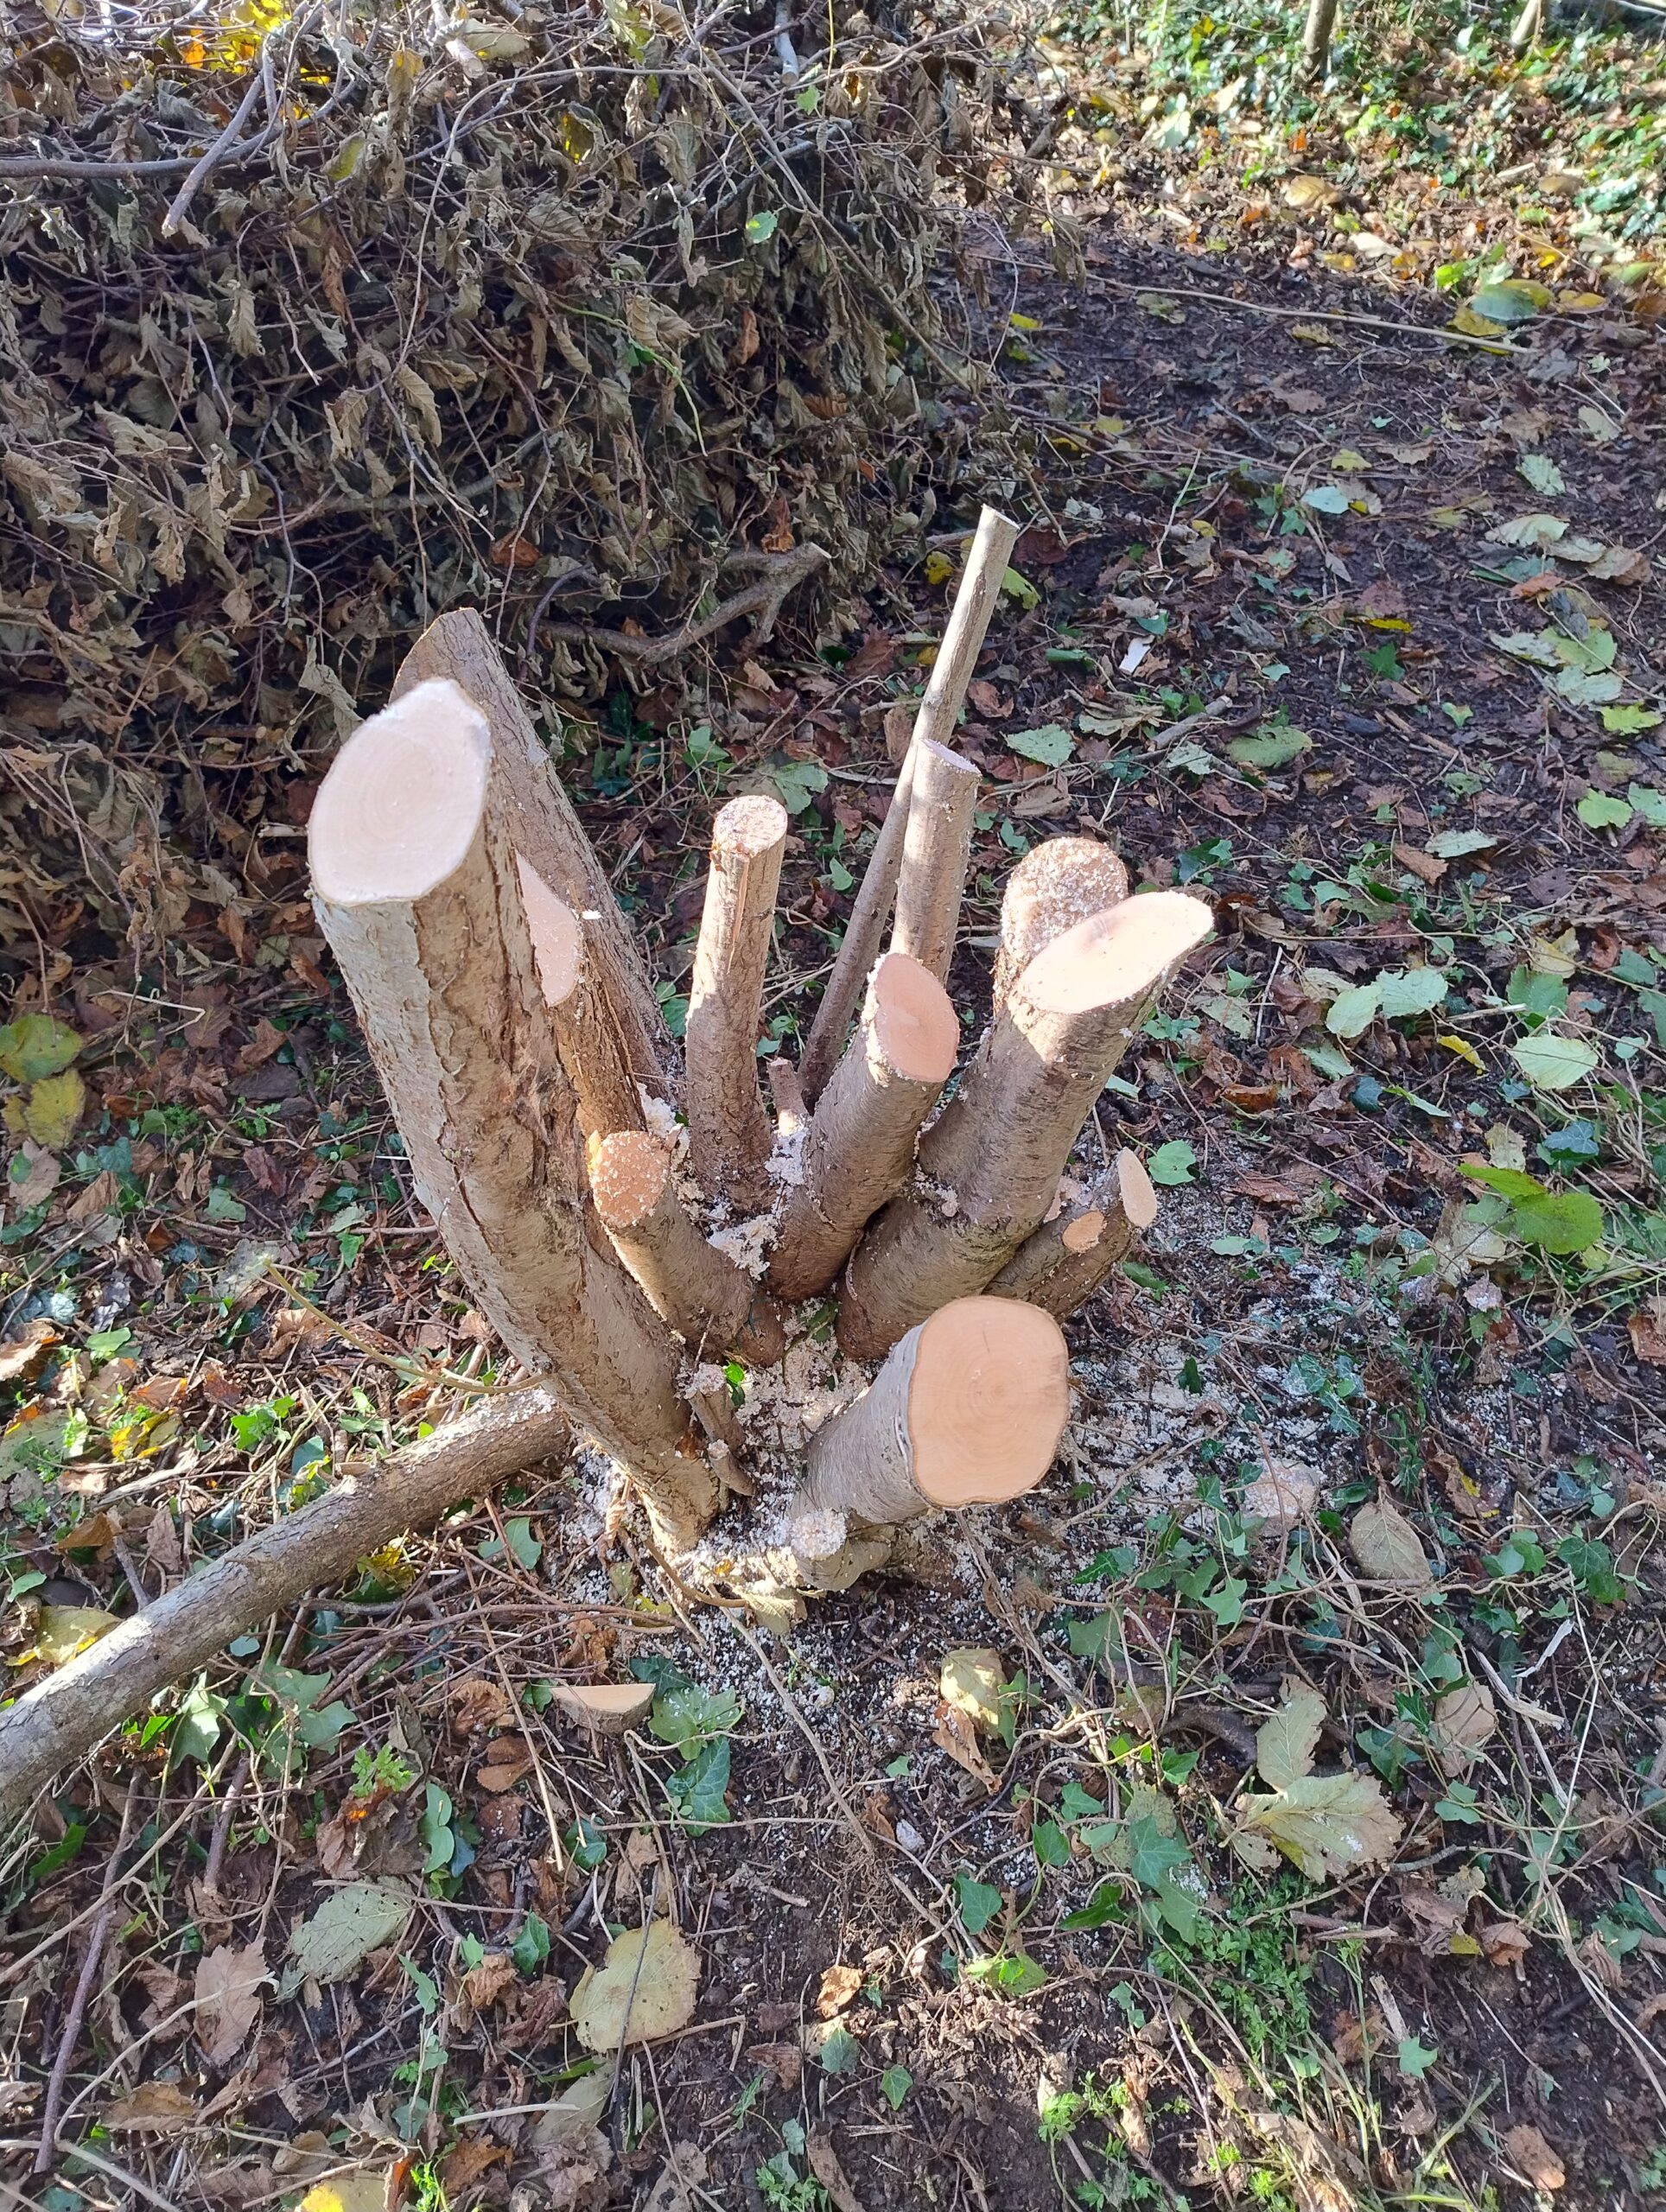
1061	1265
712	1305
967	1410
860	1145
1061	882
939	710
414	845
990	1166
937	847
729	1134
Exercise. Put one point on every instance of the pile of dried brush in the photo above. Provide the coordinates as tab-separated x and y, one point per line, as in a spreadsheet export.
609	319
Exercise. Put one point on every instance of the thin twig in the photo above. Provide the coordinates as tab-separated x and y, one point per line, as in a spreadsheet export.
83	1987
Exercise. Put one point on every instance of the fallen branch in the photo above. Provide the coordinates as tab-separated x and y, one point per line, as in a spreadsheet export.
783	573
939	710
60	1720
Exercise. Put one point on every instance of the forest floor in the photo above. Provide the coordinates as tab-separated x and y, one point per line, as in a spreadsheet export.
1355	630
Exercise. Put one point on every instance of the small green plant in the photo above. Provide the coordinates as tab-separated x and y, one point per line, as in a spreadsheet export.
380	1773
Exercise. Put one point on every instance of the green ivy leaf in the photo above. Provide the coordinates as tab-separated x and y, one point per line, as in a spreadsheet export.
797	783
1269	748
762	227
688	1718
698	1791
978	1904
532	1947
894	2084
1052	745
1172	1164
525	1547
1555	1221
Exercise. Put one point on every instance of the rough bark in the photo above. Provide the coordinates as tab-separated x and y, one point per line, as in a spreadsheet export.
714	1304
1058	883
314	1548
939	710
860	1145
1061	1265
417	886
458	646
585	1034
967	1410
936	848
730	1135
990	1166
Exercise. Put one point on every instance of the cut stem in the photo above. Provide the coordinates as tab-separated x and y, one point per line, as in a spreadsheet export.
860	1145
990	1166
730	1135
936	850
458	646
1061	882
967	1410
939	711
586	1034
714	1304
1061	1265
415	850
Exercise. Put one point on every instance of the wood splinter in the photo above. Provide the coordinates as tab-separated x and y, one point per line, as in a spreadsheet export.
1061	1265
990	1166
713	1304
730	1135
860	1145
967	1410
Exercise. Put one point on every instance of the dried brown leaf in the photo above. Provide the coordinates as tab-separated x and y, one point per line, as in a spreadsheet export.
1387	1548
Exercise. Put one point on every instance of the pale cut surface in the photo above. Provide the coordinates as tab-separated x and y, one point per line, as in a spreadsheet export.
749	826
1139	1196
1116	955
1084	1233
629	1170
914	1023
558	941
1058	883
989	1401
403	799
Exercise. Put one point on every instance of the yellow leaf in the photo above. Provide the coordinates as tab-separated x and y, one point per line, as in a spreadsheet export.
65	1629
1349	463
1111	426
1476	326
938	568
1465	1051
1579	302
52	1107
1024	322
365	2190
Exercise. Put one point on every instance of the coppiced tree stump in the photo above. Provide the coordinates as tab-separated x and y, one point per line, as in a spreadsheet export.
511	1018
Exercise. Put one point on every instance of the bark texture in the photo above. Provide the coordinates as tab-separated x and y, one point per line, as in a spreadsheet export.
939	710
936	848
1058	883
990	1166
858	1149
458	645
714	1304
1061	1265
444	980
730	1135
967	1410
315	1548
586	1034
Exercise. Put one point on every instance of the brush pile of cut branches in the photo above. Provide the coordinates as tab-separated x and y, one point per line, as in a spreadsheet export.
612	319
